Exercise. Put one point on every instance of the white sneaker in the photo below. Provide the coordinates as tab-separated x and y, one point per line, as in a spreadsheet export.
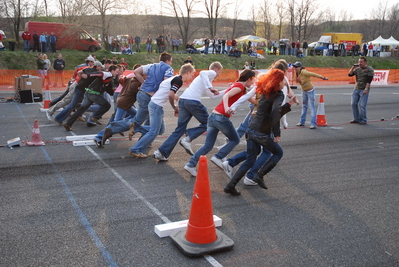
218	162
186	145
158	155
227	169
191	170
249	182
49	117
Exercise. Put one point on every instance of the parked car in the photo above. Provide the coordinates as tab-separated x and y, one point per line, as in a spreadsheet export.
202	48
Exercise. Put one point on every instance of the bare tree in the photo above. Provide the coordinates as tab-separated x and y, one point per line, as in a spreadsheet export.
72	11
252	18
236	15
213	11
280	11
14	11
393	16
182	14
102	7
265	17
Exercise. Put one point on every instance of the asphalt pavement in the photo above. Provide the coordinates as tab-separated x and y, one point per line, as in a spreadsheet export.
331	201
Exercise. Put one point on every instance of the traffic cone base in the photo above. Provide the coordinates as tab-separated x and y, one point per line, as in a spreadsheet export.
190	249
201	236
36	138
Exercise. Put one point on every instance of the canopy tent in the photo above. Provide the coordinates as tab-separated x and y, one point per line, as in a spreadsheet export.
252	38
385	42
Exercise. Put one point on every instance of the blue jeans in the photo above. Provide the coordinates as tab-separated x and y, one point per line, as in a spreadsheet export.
187	109
121	113
156	118
142	112
149	47
216	123
242	156
88	100
77	97
26	46
359	105
255	141
308	98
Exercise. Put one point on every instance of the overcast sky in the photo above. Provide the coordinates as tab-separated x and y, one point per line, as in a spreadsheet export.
360	9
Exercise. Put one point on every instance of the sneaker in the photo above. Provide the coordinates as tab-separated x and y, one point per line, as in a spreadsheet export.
107	135
285	125
138	155
312	127
227	169
131	131
49	117
191	170
186	145
67	127
300	124
248	181
158	155
88	124
98	144
218	162
362	123
99	122
353	121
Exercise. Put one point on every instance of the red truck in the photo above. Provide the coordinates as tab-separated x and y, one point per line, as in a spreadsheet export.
69	36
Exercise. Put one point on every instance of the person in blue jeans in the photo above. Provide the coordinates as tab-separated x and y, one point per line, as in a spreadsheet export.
190	106
364	76
303	77
156	73
80	90
166	91
219	120
264	129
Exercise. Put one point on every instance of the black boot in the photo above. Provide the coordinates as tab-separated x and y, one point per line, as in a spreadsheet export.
230	188
269	165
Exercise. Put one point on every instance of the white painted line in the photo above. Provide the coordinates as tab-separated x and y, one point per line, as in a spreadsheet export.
166	229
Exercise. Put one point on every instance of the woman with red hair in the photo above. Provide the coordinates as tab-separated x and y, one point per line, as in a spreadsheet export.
264	128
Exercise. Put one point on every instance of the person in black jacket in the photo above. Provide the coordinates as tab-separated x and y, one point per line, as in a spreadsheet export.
264	128
102	83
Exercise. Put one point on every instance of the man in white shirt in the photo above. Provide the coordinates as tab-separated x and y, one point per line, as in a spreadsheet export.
190	105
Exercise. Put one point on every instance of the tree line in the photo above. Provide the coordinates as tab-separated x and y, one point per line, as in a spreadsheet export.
188	19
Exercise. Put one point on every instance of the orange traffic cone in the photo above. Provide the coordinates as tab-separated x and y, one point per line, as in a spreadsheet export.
321	116
201	236
36	138
47	98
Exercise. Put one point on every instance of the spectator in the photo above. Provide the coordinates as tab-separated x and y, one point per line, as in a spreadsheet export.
124	63
53	42
43	42
58	66
149	44
36	41
137	41
364	76
47	67
26	36
188	60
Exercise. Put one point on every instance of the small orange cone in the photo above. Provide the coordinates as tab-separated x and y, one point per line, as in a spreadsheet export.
321	116
36	138
201	236
47	98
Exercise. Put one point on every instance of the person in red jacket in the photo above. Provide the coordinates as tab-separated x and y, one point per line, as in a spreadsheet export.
26	36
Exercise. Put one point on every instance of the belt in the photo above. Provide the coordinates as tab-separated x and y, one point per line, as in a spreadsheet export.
145	93
92	91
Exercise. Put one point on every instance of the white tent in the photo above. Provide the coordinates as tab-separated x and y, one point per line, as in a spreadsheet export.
385	42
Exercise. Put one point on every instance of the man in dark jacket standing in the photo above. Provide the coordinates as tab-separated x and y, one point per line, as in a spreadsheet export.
58	66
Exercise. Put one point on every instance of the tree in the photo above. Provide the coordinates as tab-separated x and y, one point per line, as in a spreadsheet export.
72	11
14	11
102	7
265	15
236	15
182	14
213	11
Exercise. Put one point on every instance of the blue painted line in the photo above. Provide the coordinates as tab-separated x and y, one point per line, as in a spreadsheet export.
106	255
104	252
